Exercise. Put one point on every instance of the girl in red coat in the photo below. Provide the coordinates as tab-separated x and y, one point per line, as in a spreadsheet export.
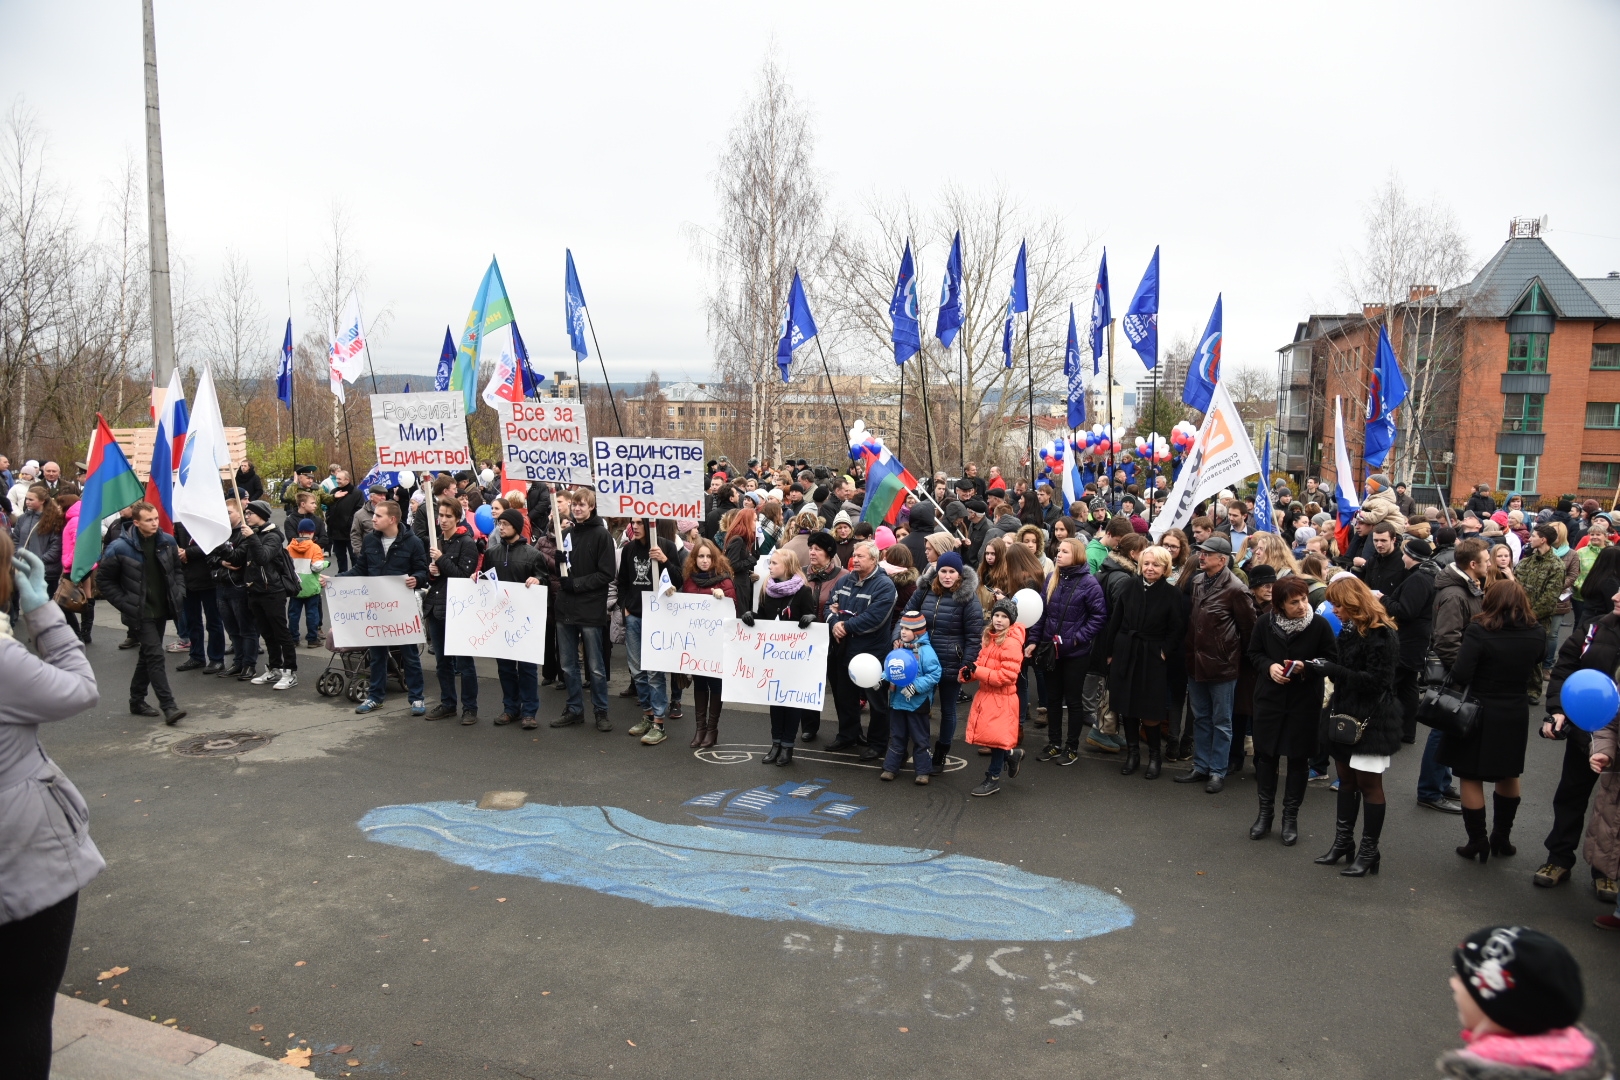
993	721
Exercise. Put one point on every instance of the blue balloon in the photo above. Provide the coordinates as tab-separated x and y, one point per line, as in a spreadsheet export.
485	519
1590	699
900	668
1325	609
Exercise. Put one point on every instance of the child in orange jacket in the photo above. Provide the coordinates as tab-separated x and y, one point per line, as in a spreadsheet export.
993	721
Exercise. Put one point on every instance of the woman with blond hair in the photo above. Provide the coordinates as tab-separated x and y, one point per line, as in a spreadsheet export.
1268	549
787	596
1143	634
1033	537
1180	548
1363	726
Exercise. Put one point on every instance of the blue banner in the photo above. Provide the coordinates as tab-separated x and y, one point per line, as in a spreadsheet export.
574	305
1204	370
1141	322
906	335
951	307
1264	519
284	374
1076	376
1384	395
798	326
1102	313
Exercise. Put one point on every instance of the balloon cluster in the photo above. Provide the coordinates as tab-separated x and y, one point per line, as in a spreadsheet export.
1052	455
1101	441
862	441
1182	436
1152	448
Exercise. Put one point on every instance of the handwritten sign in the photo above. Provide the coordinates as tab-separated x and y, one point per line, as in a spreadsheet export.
420	431
776	663
650	478
499	619
545	440
373	611
685	633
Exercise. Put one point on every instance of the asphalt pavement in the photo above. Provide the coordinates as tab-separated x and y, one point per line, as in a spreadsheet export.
338	887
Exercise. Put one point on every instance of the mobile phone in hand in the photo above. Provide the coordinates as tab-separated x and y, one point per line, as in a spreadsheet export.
1292	668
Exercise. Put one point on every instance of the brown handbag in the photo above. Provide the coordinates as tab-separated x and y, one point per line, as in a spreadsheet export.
73	595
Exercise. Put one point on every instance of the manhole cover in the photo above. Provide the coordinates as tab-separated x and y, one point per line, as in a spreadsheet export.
221	743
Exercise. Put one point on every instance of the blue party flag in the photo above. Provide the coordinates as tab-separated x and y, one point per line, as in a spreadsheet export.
531	378
407	389
798	326
1204	371
1141	322
1102	313
284	374
1384	395
906	335
1017	300
574	302
447	361
1264	519
951	306
1076	376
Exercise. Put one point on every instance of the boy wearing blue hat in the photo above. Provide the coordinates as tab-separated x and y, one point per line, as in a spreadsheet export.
908	721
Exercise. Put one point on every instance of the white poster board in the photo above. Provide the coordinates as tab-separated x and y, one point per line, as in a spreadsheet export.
545	440
420	431
685	633
774	662
373	611
504	620
648	478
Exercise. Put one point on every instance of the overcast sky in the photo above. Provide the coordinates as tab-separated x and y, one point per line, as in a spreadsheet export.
1243	138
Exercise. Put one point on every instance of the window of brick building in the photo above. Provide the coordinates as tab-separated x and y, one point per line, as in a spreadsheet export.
1606	357
1527	353
1600	474
1522	412
1516	473
1603	414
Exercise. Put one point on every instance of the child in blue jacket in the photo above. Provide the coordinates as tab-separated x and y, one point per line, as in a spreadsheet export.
909	723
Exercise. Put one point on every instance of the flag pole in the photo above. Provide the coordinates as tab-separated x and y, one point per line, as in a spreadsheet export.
1108	459
1153	466
833	390
928	421
900	414
961	407
1029	363
605	382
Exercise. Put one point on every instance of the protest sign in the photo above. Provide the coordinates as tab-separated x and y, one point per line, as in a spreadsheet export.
499	619
776	663
545	440
420	431
373	611
684	633
648	478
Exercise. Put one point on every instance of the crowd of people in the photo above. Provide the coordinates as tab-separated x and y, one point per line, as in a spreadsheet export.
1203	646
1208	646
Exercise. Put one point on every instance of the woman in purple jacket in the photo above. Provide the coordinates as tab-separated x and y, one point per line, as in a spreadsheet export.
1073	618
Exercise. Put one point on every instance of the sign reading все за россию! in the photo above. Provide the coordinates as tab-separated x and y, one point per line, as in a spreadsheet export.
420	431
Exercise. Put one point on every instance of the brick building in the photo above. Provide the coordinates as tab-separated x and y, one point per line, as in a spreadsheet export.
1515	381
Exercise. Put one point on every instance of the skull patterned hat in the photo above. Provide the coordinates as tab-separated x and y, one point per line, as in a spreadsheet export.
1525	980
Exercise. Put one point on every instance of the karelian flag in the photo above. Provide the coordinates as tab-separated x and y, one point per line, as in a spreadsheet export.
168	444
887	482
110	486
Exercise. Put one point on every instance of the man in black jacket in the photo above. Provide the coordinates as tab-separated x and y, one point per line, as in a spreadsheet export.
390	550
228	566
140	575
455	556
202	607
1480	502
1411	604
1381	568
346	499
514	560
642	561
721	501
583	616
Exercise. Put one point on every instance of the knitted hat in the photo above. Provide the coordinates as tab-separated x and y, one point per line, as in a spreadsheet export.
883	537
825	542
913	621
1500	517
1262	575
1523	979
842	518
259	508
952	560
1378	482
513	518
1417	547
307	525
1007	605
1304	533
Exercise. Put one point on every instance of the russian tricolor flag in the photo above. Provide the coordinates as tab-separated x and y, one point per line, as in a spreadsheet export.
168	444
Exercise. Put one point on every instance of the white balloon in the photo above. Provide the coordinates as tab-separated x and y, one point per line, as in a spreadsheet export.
1030	606
865	670
407	479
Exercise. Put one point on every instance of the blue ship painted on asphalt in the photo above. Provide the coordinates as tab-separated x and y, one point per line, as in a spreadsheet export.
791	809
868	888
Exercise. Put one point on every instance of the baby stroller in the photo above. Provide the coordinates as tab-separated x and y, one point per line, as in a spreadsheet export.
348	671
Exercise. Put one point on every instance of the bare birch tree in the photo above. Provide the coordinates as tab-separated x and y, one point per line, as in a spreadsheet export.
772	222
239	338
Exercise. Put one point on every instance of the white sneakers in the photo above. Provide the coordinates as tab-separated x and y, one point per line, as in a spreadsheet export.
270	675
289	679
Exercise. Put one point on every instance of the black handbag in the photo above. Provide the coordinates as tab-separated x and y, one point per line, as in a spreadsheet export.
1433	672
1448	710
1045	656
1346	730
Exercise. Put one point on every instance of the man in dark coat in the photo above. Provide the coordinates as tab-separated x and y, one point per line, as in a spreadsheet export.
390	549
202	607
582	614
514	560
1381	568
454	556
1221	618
1411	605
1459	591
922	525
1480	502
859	614
140	575
346	499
